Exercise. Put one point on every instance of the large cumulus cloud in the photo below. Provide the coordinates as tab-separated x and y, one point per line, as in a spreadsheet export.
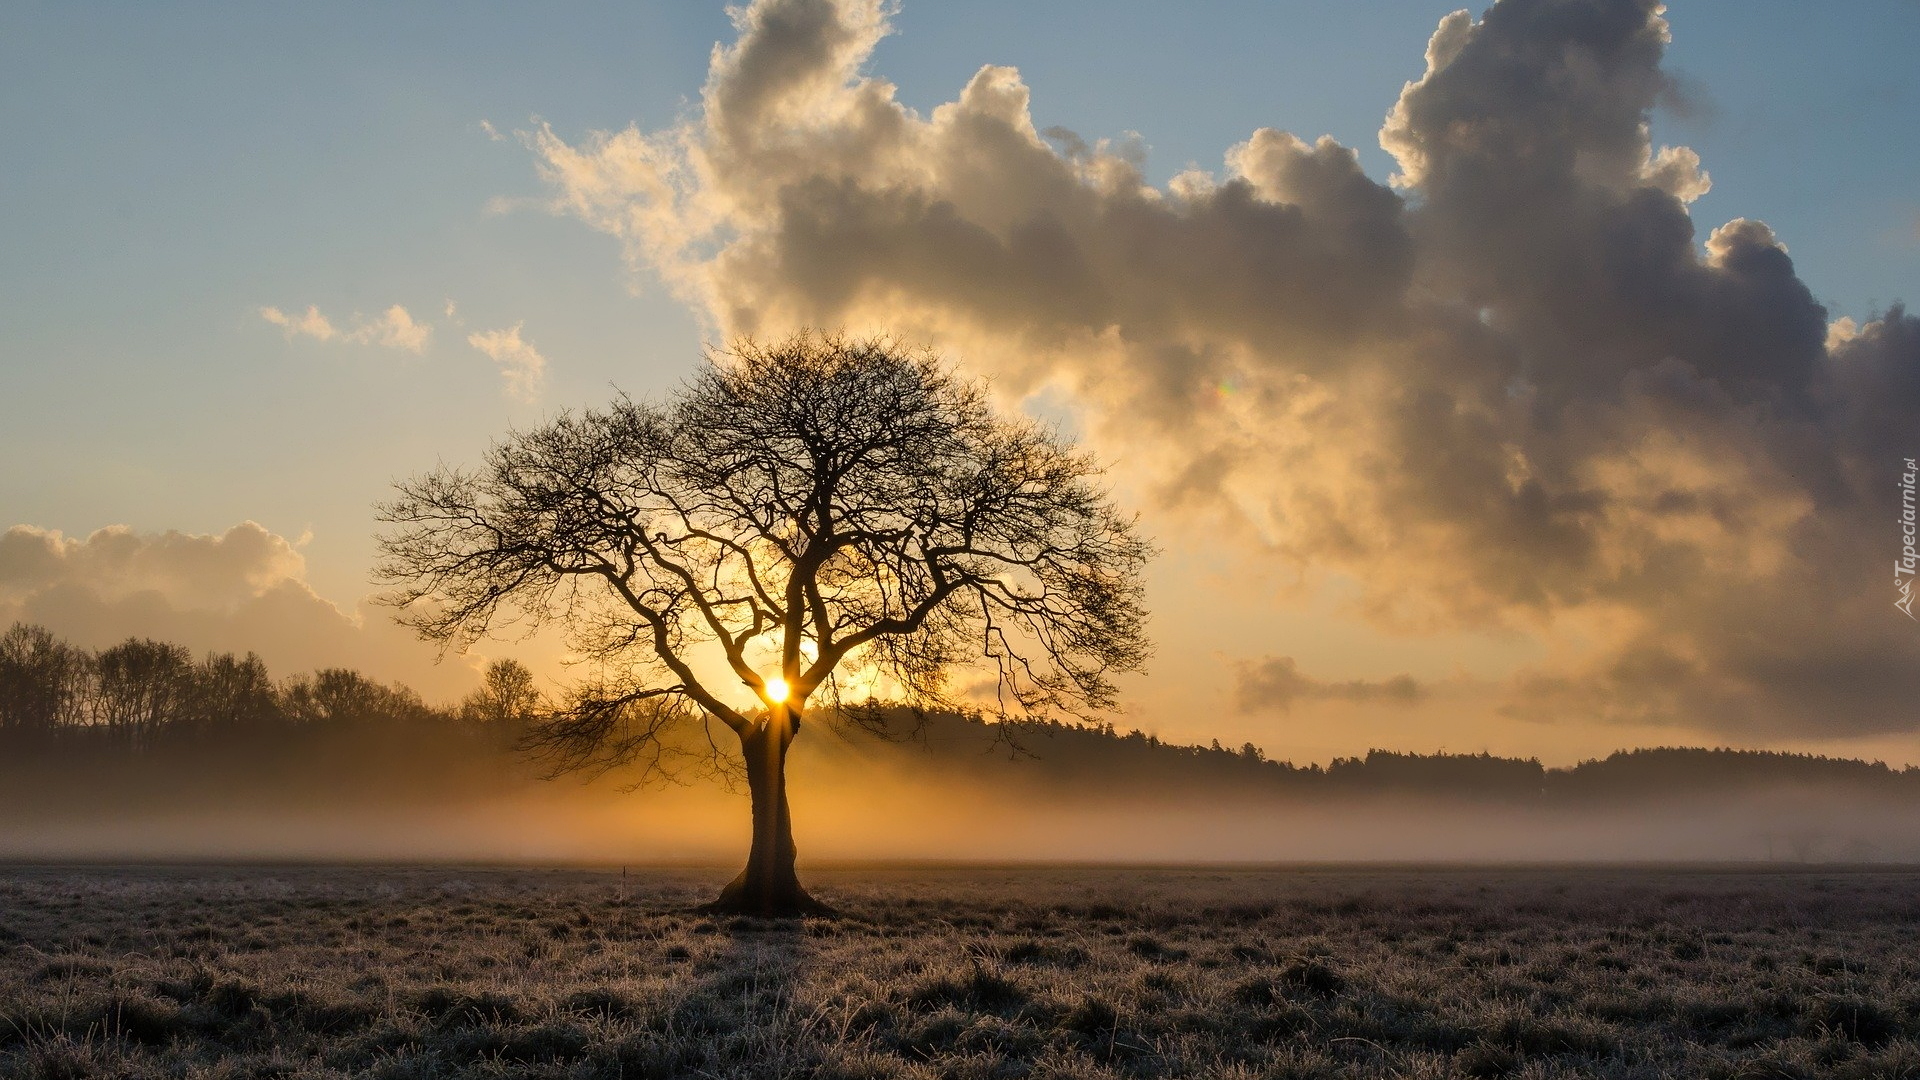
1511	386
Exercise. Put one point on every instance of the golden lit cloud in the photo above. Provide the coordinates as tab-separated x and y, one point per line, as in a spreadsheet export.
393	329
522	368
312	324
1506	391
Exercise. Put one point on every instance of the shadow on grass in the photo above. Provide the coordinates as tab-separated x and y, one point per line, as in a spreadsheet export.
738	1014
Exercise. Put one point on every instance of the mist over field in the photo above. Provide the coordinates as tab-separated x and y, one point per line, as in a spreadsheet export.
1068	795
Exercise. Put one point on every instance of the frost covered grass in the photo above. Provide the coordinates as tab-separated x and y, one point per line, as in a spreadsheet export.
975	972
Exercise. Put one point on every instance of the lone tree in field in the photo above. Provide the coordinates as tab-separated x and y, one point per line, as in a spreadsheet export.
815	520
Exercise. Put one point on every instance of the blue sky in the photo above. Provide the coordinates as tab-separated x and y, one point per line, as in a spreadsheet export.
175	168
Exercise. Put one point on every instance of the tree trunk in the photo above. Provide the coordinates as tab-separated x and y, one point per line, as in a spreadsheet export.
768	886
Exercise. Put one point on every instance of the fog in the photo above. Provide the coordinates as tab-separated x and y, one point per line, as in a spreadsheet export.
863	811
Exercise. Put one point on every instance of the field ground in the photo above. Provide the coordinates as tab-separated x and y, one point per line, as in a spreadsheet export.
963	972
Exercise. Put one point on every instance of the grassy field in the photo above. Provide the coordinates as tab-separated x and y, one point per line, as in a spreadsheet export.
274	971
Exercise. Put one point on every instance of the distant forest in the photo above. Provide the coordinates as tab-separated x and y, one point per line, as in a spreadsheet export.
151	716
142	696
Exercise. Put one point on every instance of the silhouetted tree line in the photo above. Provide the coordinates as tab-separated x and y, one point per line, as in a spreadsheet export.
1099	757
150	699
142	695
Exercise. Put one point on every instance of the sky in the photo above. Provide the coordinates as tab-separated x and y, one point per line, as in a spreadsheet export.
1456	430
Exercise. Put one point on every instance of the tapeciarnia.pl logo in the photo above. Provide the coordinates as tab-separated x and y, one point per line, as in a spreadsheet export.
1903	568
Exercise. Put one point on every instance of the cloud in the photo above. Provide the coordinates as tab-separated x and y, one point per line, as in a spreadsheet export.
394	329
237	591
521	365
312	324
1510	388
1276	682
195	570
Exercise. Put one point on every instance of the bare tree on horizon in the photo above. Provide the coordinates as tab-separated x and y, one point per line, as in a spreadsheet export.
818	518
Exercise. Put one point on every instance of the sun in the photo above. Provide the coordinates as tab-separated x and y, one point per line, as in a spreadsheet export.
776	689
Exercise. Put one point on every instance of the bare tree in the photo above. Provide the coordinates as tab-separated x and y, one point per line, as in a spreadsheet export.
44	682
232	697
822	519
144	687
507	698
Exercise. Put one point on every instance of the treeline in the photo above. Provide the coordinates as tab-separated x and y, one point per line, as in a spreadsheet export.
1085	758
151	702
141	696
